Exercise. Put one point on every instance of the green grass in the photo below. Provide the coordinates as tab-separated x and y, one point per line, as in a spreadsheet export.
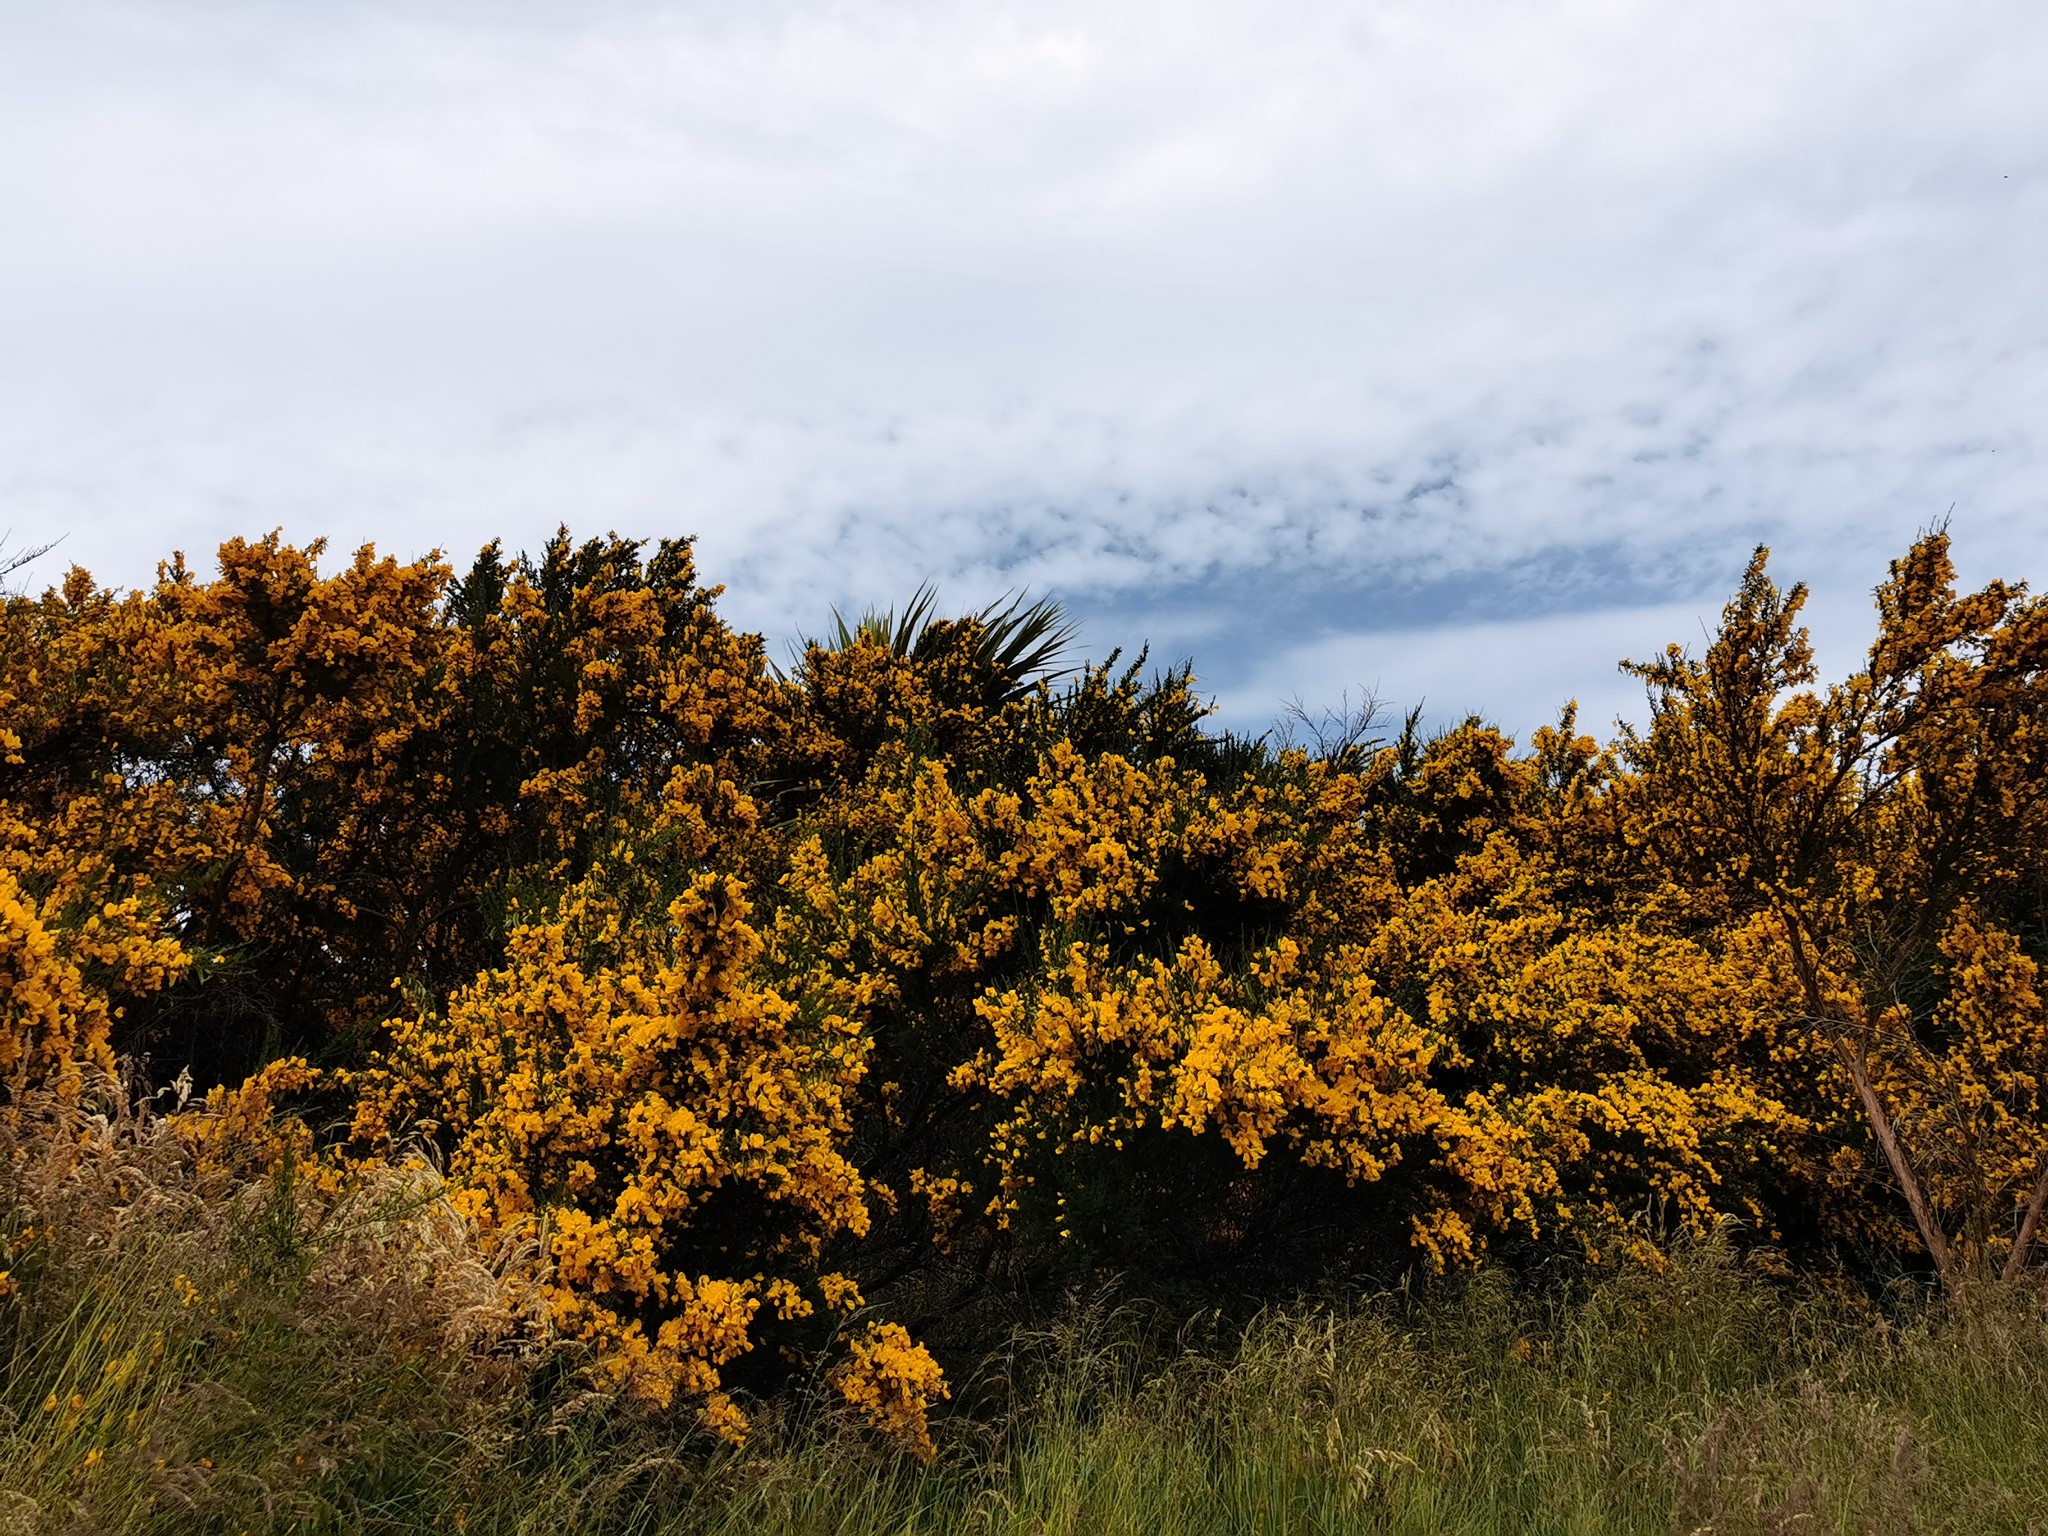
255	1360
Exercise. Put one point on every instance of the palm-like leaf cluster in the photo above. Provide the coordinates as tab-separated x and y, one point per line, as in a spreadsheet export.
1022	641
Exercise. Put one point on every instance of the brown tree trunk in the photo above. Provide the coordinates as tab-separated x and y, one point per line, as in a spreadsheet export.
1887	1140
2016	1261
1850	1053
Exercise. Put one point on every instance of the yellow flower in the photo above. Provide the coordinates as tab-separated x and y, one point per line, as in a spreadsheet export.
893	1382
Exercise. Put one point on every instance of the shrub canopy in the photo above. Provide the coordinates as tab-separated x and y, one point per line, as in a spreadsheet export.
802	1014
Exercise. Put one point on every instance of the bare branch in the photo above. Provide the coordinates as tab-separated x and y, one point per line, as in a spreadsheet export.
1334	733
12	562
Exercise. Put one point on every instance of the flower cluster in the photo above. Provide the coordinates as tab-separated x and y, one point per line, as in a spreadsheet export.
892	1381
622	1108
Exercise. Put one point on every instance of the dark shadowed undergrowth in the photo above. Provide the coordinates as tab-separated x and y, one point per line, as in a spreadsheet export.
258	1356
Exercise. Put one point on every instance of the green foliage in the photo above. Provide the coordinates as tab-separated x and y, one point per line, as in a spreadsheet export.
1014	643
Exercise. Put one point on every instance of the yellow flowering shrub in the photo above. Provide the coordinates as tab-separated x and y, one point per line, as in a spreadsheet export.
1969	1091
1633	1062
328	779
1861	836
673	1123
764	1002
64	954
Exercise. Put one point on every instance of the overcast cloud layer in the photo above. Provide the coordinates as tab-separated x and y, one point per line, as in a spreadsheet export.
1453	348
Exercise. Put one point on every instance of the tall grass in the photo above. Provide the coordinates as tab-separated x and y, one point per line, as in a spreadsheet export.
257	1356
1702	1399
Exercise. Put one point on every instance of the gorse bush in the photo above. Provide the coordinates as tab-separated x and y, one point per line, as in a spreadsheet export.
790	1032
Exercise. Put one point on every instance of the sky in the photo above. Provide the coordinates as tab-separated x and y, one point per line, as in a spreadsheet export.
1447	350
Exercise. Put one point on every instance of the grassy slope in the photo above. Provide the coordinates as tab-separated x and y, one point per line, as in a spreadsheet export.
177	1360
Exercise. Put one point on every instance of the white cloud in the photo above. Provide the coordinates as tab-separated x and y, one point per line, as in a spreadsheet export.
1143	301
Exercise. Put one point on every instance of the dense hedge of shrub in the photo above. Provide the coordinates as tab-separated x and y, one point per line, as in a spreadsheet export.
797	1023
